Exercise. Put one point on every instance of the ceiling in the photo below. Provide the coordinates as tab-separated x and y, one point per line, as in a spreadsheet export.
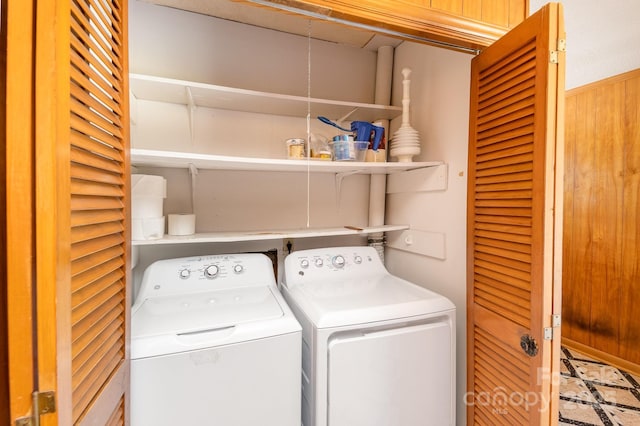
267	17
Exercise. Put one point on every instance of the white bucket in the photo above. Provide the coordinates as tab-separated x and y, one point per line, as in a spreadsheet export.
151	228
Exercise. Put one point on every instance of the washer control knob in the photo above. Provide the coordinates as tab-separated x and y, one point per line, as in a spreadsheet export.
319	262
238	269
184	273
304	263
338	261
357	259
211	271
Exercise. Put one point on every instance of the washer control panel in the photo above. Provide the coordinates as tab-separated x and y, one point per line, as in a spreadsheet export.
206	273
331	263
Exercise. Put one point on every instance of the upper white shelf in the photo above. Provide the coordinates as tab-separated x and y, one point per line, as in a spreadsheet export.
153	158
208	95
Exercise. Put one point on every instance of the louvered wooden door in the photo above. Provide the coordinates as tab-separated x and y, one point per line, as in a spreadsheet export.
514	225
80	188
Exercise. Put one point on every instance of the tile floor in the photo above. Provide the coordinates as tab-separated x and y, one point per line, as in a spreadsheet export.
594	393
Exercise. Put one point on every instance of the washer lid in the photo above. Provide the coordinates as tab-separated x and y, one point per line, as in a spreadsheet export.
189	313
365	299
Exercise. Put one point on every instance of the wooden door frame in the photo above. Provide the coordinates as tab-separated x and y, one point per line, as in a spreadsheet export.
20	253
4	362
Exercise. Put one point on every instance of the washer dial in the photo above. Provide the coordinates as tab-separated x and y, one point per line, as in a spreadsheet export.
211	271
338	261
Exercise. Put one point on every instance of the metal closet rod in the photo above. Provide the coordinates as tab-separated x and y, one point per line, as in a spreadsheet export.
363	26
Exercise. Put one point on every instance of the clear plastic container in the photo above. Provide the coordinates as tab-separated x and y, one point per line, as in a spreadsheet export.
360	148
295	149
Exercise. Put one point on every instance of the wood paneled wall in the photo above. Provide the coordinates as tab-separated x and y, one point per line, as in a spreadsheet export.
504	13
601	259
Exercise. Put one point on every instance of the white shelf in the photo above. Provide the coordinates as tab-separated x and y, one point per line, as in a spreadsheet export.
226	237
172	159
208	95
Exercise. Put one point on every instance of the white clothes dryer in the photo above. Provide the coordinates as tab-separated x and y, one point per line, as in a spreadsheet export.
214	343
376	350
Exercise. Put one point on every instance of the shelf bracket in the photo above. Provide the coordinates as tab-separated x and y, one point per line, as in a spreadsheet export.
347	115
339	178
191	106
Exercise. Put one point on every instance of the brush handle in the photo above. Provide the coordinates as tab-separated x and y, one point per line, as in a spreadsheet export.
406	72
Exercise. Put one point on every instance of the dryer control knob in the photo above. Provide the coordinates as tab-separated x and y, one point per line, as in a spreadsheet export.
357	260
211	271
338	261
184	273
238	268
319	262
304	263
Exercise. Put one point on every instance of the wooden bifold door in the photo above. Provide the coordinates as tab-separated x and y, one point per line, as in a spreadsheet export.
67	185
514	225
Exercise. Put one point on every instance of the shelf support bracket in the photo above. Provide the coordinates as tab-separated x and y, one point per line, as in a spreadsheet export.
191	106
339	178
347	115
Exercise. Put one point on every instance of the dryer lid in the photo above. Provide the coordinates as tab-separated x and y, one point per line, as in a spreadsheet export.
182	314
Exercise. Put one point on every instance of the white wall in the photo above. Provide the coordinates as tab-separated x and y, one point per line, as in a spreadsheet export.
172	43
440	82
602	38
176	44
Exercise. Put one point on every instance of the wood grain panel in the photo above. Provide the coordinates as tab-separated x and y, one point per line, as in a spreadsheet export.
630	281
568	255
581	239
496	12
472	9
518	11
453	6
607	216
601	269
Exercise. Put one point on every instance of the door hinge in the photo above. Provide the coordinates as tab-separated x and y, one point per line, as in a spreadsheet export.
555	323
560	47
43	403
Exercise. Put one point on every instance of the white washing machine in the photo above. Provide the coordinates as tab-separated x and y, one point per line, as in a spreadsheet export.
214	343
377	350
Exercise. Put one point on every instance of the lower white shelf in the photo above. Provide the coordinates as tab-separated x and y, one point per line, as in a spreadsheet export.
226	237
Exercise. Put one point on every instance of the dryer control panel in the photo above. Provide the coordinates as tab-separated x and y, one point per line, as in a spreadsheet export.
330	263
206	273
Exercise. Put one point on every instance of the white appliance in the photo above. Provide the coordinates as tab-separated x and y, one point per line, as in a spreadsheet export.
214	343
376	349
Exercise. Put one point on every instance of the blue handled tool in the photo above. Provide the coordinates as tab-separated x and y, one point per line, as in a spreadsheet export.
325	120
364	132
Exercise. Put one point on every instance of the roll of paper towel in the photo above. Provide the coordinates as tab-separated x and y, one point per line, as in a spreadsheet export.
147	196
182	224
